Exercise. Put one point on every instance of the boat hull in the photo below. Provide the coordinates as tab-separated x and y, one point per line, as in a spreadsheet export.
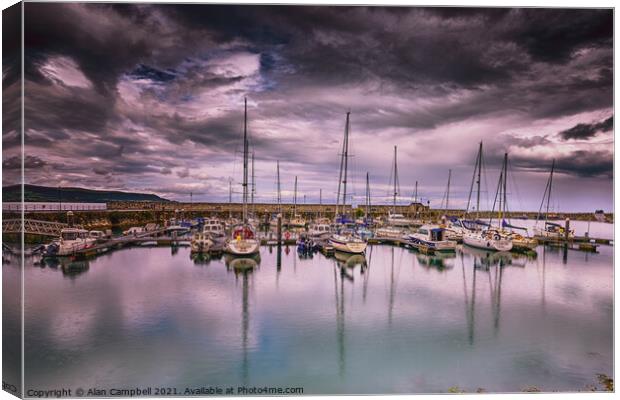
443	245
487	244
242	247
352	247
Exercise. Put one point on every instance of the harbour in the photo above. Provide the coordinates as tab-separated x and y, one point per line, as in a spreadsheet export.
470	319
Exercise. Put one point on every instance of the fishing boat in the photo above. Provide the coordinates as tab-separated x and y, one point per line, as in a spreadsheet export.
431	237
72	240
345	240
319	230
243	241
215	229
201	242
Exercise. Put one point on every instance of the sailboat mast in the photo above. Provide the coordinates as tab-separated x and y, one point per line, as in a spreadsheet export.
505	186
549	192
245	160
367	196
346	163
395	178
279	194
229	198
253	184
415	193
479	164
320	202
502	190
448	191
295	199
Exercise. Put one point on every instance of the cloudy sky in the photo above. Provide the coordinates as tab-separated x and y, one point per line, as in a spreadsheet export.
150	98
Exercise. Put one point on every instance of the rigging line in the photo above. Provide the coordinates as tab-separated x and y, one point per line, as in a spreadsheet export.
484	174
499	185
471	188
515	185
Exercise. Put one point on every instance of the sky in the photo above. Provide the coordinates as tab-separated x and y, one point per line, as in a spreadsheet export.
149	98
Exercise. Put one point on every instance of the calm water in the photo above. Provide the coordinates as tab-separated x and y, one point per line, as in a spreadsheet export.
398	322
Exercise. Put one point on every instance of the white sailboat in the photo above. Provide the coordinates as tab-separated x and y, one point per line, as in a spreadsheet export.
550	230
345	240
395	219
486	238
243	241
296	221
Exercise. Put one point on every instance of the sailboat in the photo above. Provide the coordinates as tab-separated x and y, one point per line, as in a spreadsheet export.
485	238
345	240
274	220
296	220
243	241
395	219
551	229
519	241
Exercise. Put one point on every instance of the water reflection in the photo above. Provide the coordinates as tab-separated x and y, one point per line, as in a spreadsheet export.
439	261
70	267
241	264
245	318
470	326
200	258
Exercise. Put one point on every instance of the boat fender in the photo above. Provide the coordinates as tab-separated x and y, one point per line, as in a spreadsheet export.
488	244
287	235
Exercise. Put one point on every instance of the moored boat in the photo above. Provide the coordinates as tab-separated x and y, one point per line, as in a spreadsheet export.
488	239
431	237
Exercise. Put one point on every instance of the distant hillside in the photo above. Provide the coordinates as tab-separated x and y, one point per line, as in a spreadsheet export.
72	194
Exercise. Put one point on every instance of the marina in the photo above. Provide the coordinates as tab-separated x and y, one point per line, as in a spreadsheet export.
469	319
272	199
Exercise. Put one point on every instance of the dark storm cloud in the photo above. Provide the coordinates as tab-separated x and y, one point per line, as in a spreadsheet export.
150	94
553	35
586	131
30	162
586	164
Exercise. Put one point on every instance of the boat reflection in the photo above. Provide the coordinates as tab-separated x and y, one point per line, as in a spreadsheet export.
241	264
486	259
200	258
441	261
71	267
340	319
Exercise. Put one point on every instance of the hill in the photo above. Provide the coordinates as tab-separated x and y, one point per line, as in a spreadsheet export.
73	194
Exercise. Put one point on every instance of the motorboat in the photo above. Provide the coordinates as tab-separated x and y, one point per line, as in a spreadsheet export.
431	237
215	229
134	230
552	230
318	230
72	240
201	242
